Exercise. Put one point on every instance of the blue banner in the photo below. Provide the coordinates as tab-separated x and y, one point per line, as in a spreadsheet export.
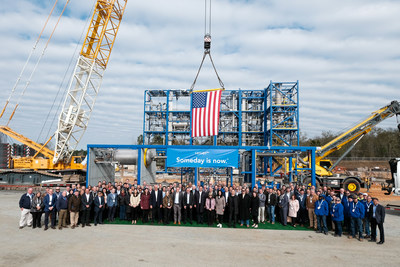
204	158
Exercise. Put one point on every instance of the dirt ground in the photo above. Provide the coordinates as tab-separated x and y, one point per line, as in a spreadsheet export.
176	246
375	191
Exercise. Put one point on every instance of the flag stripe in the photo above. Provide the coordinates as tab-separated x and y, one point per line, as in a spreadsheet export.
205	113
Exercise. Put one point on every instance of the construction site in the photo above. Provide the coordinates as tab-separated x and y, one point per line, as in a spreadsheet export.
190	136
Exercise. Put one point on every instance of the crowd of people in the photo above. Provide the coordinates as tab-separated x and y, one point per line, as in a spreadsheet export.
214	204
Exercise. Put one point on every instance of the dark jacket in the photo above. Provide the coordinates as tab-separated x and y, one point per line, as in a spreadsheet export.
379	213
37	202
98	202
48	204
255	203
62	203
302	202
200	203
272	200
74	203
233	204
244	206
180	198
191	199
85	202
153	201
25	201
123	200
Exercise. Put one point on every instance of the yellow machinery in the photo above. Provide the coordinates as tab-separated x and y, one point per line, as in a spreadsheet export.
81	96
324	167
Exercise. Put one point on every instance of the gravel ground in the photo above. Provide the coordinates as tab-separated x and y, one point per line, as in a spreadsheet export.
176	246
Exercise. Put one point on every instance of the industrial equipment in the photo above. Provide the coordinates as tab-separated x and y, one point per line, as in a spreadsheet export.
81	96
324	167
393	185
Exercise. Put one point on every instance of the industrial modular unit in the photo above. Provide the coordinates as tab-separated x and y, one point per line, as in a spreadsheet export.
267	117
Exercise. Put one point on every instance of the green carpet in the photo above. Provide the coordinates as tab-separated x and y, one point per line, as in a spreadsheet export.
268	226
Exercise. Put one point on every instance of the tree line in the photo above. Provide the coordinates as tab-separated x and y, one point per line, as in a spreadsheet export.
377	143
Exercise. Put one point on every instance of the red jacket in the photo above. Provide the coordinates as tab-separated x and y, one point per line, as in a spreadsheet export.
145	201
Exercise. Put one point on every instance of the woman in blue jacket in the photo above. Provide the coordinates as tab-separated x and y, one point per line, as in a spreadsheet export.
337	214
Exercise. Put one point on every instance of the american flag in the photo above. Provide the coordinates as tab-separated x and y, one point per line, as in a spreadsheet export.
205	113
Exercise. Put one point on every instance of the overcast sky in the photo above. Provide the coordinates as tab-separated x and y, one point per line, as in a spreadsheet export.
345	55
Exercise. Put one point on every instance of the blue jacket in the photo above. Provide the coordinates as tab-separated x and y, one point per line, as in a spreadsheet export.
329	200
98	202
112	200
321	208
337	212
62	203
46	202
357	210
302	203
25	201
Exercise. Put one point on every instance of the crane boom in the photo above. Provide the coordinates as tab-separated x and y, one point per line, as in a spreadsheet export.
360	129
87	77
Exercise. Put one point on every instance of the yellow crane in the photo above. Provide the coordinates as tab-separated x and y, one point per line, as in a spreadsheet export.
324	167
81	96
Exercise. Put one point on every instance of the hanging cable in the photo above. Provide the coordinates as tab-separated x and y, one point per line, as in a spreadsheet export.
28	59
207	45
36	65
62	82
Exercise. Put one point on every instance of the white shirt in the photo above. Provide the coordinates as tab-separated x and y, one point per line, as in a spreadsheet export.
87	197
176	198
200	196
187	198
100	200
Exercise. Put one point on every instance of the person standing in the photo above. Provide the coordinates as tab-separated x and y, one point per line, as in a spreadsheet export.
254	207
177	198
145	205
321	211
199	204
244	208
134	202
87	201
233	205
37	210
357	213
337	216
294	207
25	204
220	204
377	214
187	206
168	202
367	219
284	207
210	207
310	205
122	203
302	198
62	208
74	206
112	204
98	208
49	202
156	204
271	203
261	206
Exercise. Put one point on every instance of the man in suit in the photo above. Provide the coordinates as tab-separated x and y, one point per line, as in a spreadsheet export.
156	204
25	204
187	204
177	198
199	204
98	208
244	208
284	206
233	204
271	203
303	210
87	201
49	202
377	215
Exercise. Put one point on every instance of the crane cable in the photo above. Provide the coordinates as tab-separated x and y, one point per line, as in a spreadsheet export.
27	60
37	63
207	46
62	83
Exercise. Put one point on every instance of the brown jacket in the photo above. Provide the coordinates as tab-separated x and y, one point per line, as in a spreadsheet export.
311	205
74	204
166	200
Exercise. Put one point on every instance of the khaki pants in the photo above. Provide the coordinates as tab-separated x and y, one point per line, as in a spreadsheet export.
74	218
26	218
62	216
313	218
